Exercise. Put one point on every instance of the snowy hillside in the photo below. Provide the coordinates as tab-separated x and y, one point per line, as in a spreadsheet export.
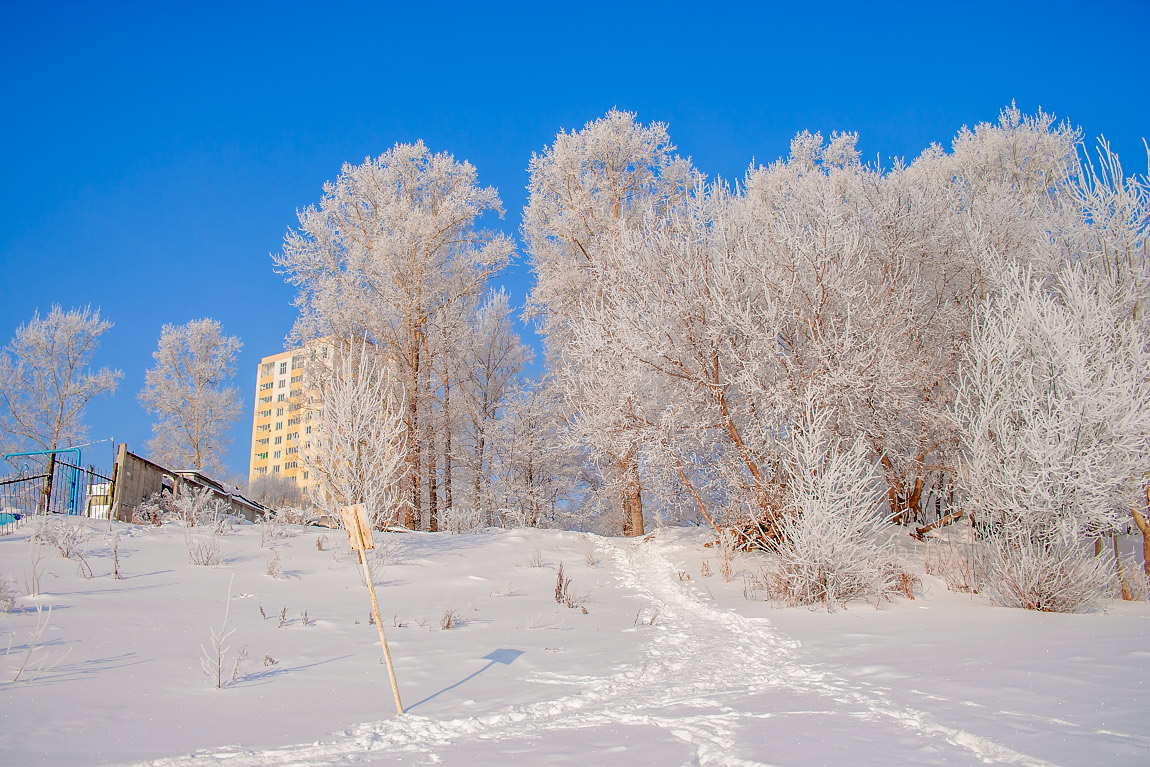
657	662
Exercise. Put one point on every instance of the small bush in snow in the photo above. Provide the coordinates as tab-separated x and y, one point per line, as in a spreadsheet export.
153	510
64	535
7	595
291	515
961	565
450	619
828	551
587	548
274	568
457	520
1052	573
726	546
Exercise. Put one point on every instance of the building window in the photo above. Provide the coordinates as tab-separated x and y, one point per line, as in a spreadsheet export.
297	362
279	411
266	386
293	421
276	469
263	441
279	440
264	427
292	451
276	454
290	465
262	470
279	425
283	368
264	413
265	400
280	398
305	475
282	383
297	379
266	369
262	456
307	430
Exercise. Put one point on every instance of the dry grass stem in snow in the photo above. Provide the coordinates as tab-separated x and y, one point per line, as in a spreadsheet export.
214	660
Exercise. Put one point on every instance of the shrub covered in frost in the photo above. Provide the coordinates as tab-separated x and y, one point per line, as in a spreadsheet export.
1051	572
830	549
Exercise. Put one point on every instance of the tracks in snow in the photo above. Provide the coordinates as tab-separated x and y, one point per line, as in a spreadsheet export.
701	664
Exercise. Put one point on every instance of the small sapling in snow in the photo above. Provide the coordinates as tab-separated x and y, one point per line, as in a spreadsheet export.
274	569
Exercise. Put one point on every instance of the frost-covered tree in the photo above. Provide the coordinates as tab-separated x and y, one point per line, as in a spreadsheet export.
190	394
358	451
1054	405
493	357
46	378
584	190
533	474
391	245
276	491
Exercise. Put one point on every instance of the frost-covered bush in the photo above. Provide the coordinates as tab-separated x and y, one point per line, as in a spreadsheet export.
205	521
1051	574
199	507
461	520
296	515
830	549
152	510
64	535
7	595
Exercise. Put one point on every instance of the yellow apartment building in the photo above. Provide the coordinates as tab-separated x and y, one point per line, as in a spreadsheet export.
281	432
278	432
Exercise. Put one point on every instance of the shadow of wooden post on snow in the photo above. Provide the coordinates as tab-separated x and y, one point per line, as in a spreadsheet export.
503	656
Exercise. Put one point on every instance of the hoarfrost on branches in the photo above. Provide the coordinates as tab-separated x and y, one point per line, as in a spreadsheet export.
188	392
358	451
46	381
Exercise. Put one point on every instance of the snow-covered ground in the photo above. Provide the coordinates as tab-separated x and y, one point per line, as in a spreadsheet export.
665	667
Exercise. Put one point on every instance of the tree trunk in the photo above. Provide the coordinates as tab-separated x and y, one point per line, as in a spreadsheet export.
432	489
635	497
432	478
478	466
446	441
413	512
48	483
1121	576
1144	526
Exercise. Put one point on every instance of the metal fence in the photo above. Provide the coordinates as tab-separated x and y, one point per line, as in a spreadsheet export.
60	488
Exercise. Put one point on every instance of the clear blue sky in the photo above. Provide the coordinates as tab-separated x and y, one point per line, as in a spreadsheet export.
153	157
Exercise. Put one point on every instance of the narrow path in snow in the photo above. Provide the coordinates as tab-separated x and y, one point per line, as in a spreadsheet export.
699	669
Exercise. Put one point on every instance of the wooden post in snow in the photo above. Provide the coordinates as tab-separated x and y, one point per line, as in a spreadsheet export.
358	528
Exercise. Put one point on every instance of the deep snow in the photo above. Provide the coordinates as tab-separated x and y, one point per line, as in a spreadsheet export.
666	666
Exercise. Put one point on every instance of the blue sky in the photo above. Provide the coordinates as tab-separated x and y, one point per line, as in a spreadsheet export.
154	157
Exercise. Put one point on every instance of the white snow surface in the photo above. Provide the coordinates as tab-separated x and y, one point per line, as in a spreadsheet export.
666	667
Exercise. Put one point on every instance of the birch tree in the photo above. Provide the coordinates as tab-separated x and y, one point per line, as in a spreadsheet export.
46	378
391	243
190	394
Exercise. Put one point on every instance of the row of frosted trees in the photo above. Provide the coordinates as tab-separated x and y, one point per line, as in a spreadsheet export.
960	335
